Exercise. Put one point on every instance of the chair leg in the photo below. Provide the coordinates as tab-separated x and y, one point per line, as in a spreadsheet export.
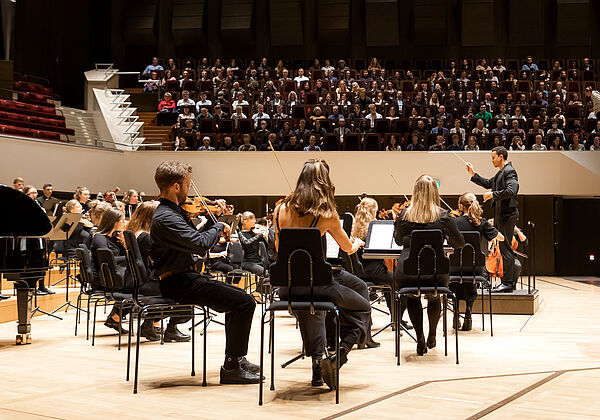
137	352
206	310
94	325
261	358
482	308
337	359
491	312
87	331
77	313
445	319
272	334
129	346
193	344
120	325
397	336
456	328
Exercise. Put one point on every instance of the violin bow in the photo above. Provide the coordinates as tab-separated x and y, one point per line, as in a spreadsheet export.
280	167
398	184
212	216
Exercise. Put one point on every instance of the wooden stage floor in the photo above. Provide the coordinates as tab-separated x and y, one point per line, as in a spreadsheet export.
545	366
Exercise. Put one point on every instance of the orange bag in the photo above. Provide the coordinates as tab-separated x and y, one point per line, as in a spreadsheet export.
494	264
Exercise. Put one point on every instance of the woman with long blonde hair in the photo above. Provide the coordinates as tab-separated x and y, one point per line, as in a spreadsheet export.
423	213
374	271
471	220
312	204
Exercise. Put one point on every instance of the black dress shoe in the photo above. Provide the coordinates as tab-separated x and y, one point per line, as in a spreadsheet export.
173	334
421	347
149	332
431	341
503	288
238	375
369	344
467	325
406	325
328	368
40	292
46	291
317	376
2	297
249	366
111	323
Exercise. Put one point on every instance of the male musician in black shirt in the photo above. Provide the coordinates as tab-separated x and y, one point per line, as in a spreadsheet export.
46	200
174	241
504	187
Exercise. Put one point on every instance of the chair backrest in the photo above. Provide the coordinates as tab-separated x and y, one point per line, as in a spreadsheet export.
85	267
300	260
136	264
426	256
108	270
236	254
468	261
353	264
264	255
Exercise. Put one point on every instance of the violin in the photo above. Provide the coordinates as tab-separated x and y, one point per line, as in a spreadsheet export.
111	196
455	213
396	209
200	206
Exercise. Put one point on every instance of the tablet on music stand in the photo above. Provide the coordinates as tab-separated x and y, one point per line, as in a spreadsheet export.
380	238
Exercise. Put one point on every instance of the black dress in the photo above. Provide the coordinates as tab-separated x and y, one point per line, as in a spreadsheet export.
467	291
104	241
402	235
151	286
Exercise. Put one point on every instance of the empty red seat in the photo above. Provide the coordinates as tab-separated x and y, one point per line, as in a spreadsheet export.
47	135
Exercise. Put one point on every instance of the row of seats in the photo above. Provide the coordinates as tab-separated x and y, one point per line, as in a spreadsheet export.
33	114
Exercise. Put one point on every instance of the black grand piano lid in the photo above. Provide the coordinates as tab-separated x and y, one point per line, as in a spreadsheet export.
20	215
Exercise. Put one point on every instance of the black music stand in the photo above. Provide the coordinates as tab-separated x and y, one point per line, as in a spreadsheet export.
380	244
62	231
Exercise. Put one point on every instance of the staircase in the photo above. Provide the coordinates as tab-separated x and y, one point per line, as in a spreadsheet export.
83	124
154	134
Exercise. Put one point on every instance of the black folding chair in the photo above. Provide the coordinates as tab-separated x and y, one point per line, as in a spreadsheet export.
153	307
466	265
426	264
86	292
114	285
300	264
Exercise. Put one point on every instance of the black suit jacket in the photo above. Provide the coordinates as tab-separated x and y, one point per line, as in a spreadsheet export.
504	186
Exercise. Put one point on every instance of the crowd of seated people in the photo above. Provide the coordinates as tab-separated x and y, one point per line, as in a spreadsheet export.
457	105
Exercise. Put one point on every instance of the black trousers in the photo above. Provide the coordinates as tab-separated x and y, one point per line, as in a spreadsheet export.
376	272
238	306
505	223
219	264
355	312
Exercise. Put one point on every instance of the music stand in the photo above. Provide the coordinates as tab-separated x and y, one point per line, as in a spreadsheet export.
380	244
62	231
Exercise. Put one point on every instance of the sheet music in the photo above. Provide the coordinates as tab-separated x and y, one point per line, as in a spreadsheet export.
333	249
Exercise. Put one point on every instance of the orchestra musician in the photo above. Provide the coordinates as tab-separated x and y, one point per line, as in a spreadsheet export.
131	201
82	233
49	203
249	240
82	194
110	236
140	224
174	242
312	204
503	186
375	271
470	220
19	184
423	213
217	256
31	192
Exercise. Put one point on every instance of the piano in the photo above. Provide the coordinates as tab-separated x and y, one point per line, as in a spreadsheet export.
24	253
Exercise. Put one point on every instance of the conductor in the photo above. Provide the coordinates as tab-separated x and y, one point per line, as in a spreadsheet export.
504	187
